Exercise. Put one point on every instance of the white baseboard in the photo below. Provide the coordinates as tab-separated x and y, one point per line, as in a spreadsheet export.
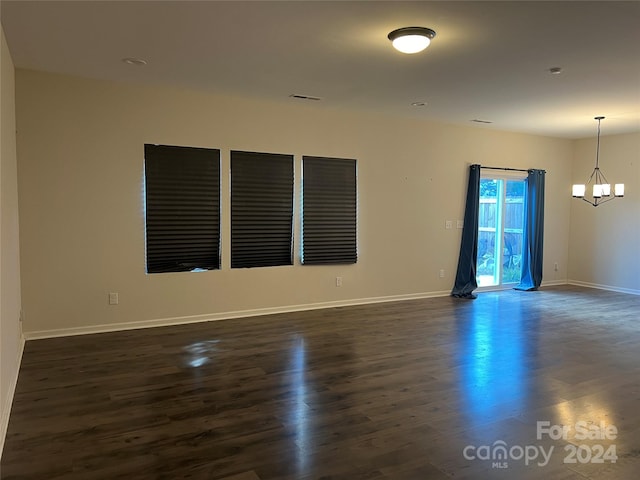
578	283
164	322
8	401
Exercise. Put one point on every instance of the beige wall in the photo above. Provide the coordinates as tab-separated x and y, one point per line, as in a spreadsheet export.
10	331
80	146
605	240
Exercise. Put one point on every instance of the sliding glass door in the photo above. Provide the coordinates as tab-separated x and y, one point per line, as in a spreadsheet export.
500	226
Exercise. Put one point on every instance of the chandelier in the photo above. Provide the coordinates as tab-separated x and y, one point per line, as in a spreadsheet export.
600	187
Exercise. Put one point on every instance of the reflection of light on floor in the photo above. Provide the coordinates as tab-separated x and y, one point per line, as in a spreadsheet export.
200	353
571	412
481	357
298	414
493	370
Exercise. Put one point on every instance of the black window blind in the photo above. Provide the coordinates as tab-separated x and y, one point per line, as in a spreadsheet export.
182	193
261	209
329	211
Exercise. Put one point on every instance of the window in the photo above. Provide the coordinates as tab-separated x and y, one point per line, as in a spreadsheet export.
329	210
500	227
261	209
182	208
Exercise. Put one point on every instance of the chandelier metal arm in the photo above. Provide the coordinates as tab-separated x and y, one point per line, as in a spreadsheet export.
598	201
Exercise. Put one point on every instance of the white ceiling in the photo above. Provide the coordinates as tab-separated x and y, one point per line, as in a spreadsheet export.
489	60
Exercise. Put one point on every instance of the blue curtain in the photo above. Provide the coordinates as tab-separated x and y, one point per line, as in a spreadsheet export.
466	275
533	232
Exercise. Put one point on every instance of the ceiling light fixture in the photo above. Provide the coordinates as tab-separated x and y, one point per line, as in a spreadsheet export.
411	39
601	191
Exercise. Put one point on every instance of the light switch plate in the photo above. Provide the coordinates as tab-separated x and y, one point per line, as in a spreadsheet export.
113	298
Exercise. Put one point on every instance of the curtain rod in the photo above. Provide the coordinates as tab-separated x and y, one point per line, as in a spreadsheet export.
505	168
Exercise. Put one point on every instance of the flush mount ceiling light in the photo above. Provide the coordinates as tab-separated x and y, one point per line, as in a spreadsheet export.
601	191
411	39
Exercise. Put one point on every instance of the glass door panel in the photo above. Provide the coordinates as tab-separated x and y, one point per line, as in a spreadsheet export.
513	229
500	222
489	219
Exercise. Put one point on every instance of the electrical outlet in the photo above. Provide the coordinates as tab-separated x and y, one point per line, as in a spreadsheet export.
460	224
338	281
441	273
448	224
113	298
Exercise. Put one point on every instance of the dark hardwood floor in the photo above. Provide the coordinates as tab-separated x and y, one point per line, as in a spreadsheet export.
425	389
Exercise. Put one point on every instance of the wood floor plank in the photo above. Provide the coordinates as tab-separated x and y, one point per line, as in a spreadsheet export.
392	391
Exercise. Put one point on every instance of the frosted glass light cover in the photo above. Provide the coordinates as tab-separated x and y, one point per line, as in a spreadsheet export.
619	190
578	190
606	189
411	43
597	191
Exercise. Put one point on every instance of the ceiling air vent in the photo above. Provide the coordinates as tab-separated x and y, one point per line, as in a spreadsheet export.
304	97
